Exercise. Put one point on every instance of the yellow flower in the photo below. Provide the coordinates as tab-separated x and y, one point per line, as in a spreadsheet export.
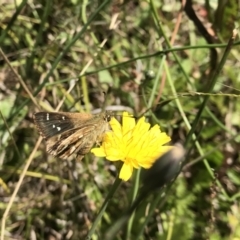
136	144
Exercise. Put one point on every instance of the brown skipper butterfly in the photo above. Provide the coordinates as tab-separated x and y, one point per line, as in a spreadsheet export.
69	134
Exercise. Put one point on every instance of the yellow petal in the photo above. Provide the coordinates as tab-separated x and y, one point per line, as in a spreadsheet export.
99	152
116	127
126	172
128	123
141	127
113	158
165	149
135	144
114	154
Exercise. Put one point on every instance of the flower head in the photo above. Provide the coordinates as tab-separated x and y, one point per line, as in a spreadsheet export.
136	144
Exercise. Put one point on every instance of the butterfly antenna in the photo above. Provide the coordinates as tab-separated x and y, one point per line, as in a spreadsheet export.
106	94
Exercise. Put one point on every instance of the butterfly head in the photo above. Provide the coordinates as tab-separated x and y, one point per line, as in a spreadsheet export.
107	117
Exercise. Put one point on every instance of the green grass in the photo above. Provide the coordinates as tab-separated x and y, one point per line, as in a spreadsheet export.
62	55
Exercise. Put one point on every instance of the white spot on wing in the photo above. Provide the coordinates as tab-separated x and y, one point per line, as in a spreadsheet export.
58	128
53	126
63	117
47	117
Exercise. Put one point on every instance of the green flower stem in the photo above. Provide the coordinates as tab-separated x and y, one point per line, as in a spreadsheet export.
122	221
114	188
135	191
158	199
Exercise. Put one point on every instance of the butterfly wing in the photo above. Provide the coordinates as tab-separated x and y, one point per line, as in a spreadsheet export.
77	141
70	133
50	124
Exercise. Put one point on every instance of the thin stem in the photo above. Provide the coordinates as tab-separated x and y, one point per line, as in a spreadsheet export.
135	191
114	188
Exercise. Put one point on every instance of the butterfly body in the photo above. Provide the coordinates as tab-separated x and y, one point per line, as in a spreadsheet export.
67	134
